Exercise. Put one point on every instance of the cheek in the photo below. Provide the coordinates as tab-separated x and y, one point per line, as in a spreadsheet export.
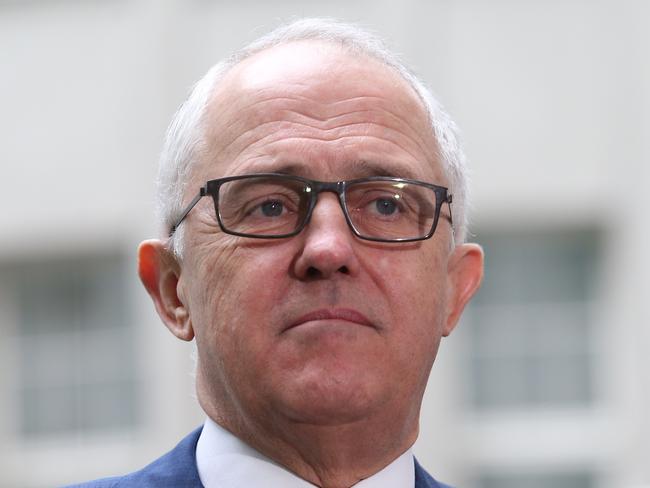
414	285
208	272
411	278
233	295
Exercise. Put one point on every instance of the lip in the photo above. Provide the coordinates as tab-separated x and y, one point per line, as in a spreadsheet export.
343	314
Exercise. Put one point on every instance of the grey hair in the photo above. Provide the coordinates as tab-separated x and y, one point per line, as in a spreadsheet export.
185	142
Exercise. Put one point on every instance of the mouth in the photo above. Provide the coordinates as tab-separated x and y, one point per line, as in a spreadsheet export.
339	314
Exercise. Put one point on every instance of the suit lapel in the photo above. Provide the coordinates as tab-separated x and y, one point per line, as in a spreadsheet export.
424	479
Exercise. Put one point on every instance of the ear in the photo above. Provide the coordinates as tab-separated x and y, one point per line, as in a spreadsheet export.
464	274
159	271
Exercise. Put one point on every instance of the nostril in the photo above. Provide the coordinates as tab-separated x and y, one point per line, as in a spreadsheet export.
313	272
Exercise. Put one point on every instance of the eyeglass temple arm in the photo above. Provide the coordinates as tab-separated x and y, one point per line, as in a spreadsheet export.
202	192
448	201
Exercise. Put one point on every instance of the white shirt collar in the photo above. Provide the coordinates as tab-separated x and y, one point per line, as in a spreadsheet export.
224	461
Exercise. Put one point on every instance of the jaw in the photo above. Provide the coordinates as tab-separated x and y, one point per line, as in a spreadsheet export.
330	447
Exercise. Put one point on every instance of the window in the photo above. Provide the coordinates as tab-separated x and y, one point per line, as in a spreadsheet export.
71	337
530	324
538	480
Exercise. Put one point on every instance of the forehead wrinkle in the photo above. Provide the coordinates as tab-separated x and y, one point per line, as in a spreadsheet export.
325	112
383	167
388	108
261	103
310	129
380	166
297	118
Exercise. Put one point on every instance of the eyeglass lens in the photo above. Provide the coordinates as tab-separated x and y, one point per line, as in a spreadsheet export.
263	205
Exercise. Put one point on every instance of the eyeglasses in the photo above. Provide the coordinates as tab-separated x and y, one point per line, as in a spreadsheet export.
274	206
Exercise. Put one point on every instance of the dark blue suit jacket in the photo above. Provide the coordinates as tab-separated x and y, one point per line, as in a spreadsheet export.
177	469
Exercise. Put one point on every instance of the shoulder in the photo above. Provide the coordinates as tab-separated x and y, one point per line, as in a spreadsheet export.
176	468
424	479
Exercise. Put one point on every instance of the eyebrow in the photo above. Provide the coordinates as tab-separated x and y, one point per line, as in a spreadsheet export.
360	168
363	168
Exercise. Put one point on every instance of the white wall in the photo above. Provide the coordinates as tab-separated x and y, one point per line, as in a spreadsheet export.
553	99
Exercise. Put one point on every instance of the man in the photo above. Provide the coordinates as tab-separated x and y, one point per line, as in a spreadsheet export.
315	254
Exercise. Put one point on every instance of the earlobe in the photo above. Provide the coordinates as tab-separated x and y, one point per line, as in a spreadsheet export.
465	273
160	272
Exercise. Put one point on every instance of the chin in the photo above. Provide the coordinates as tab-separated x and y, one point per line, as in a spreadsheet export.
329	400
329	413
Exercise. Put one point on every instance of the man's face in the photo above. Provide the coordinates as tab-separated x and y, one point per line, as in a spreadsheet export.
323	327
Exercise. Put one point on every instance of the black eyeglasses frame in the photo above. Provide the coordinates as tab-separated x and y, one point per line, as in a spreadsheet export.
212	187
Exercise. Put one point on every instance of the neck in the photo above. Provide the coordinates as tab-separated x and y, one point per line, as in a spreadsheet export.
328	456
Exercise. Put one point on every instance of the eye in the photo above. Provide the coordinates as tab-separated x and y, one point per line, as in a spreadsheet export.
271	208
386	206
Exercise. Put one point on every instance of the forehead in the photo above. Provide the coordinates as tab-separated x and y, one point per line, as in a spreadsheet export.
310	66
317	90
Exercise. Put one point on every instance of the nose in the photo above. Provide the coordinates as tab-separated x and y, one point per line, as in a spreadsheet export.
327	243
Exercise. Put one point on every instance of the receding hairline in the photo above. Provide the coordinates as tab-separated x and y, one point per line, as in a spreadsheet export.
239	82
325	45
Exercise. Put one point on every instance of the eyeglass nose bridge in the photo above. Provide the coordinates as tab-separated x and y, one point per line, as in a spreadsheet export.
315	188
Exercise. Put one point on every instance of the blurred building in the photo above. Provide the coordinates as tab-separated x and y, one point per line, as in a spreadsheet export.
546	381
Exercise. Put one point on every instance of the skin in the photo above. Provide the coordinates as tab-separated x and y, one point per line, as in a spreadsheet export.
315	350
